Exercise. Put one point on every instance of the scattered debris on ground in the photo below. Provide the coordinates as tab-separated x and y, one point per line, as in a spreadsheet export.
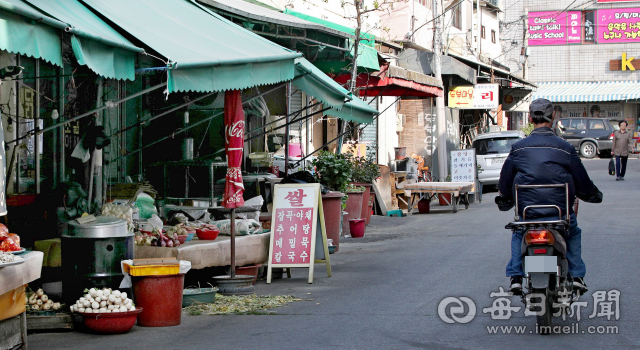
240	304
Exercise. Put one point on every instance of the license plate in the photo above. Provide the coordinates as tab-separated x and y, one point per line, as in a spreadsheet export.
545	264
495	161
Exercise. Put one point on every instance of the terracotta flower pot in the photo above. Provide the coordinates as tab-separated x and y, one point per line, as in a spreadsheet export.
332	206
354	208
365	199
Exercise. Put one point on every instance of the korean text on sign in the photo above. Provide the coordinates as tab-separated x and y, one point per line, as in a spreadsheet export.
463	166
292	228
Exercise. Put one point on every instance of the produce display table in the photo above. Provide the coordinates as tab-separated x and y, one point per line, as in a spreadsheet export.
251	249
459	192
13	326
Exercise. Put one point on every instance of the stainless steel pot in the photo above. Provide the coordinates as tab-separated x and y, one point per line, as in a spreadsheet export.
103	227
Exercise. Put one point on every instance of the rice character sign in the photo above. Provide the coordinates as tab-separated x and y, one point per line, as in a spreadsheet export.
297	216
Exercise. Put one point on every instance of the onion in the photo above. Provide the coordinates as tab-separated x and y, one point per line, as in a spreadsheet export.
93	292
106	292
116	293
112	298
86	303
99	293
103	304
110	307
88	311
123	295
118	301
103	310
123	308
95	305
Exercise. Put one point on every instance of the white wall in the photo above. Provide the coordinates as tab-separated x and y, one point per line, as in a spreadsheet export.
387	135
490	22
398	23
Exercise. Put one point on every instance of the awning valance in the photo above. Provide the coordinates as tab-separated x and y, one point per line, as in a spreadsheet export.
26	32
395	81
313	82
94	43
205	51
588	91
355	110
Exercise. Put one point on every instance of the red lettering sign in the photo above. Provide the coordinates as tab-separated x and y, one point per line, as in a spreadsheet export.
292	236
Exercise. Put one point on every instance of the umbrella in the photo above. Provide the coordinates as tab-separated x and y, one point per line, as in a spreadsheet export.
233	146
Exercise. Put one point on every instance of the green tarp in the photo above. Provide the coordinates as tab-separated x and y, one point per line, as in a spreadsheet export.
94	42
314	82
21	35
205	51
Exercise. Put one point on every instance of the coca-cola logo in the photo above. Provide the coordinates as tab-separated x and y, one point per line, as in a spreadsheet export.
236	130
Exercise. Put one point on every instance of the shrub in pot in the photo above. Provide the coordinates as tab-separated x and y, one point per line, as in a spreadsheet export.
364	172
334	172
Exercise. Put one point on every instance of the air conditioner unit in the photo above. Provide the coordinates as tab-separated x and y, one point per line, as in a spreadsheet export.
400	121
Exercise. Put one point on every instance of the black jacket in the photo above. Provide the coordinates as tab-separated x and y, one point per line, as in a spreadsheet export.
544	158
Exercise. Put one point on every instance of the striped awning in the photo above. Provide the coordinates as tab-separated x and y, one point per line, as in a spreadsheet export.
588	91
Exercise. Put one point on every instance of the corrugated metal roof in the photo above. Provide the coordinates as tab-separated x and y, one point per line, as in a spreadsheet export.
263	14
588	91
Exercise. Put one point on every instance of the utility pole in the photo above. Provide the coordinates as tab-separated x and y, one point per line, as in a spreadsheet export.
525	60
441	122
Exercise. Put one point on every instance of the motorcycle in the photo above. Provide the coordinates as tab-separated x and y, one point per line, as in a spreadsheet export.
547	289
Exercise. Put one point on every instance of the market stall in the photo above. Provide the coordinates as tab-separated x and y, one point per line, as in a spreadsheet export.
14	277
459	192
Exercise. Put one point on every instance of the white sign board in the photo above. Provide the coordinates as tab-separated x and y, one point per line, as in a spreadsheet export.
298	235
486	96
463	165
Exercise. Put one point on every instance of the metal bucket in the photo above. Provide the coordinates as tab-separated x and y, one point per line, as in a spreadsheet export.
91	255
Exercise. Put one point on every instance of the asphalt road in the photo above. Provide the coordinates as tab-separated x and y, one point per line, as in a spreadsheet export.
385	289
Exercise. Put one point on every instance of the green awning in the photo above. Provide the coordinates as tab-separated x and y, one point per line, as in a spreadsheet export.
205	52
317	84
94	43
355	110
367	61
370	39
24	35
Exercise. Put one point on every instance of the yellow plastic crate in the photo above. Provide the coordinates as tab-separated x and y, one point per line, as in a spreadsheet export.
152	270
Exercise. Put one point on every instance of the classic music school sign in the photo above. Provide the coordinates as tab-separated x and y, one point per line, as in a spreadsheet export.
554	28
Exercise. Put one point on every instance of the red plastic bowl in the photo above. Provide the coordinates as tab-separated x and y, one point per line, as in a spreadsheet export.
207	234
111	323
182	238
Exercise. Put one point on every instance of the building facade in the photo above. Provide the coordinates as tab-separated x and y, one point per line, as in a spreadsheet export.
581	54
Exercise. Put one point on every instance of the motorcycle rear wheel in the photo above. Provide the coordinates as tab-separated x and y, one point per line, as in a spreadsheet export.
544	321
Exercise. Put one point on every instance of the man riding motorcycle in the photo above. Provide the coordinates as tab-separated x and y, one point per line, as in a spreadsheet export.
544	158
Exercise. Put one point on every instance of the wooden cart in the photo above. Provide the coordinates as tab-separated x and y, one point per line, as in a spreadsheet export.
459	192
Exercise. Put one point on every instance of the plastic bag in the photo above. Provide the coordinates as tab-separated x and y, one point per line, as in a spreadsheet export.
243	227
612	167
146	206
153	222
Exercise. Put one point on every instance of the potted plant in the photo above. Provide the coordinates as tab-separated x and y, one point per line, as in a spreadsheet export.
364	172
334	172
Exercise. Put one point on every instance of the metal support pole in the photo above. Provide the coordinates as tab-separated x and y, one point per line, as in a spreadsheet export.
37	127
17	133
441	122
233	243
286	132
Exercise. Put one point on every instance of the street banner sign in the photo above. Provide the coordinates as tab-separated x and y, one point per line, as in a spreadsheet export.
480	96
297	217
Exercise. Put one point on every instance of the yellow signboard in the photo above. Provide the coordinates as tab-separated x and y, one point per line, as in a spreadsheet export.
460	97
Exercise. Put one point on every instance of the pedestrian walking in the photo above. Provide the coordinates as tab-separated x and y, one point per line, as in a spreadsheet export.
622	145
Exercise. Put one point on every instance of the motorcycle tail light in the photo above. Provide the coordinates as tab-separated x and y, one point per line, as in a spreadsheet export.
539	237
540	251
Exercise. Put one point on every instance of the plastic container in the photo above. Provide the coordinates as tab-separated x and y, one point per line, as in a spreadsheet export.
424	206
354	208
198	295
357	227
190	236
111	323
151	270
207	234
182	238
160	298
401	152
332	205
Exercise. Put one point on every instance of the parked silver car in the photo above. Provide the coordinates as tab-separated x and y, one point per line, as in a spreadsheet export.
492	149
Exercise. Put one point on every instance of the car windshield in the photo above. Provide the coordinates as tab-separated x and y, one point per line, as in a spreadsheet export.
494	145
